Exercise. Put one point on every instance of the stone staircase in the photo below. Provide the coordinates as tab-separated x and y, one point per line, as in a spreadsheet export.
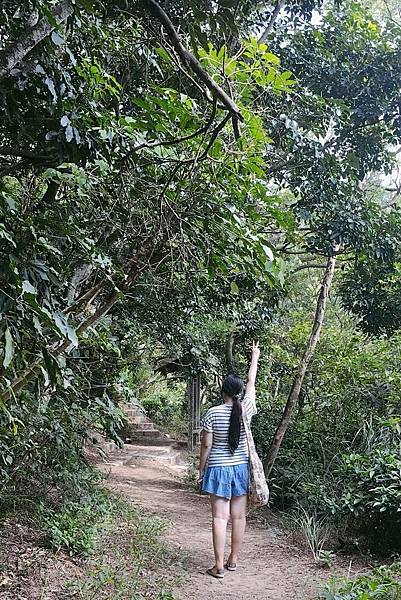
140	429
143	442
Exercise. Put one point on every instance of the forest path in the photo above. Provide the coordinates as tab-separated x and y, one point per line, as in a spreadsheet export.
271	568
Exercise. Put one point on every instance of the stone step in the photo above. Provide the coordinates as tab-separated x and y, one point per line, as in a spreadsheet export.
141	429
134	417
162	441
145	425
134	406
147	433
134	454
117	458
170	454
169	459
138	425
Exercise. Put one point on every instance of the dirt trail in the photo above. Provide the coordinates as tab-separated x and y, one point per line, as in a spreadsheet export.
271	567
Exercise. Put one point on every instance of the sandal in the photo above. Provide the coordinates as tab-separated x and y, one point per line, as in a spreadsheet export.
230	566
215	573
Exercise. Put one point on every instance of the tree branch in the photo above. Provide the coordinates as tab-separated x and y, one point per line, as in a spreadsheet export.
17	52
271	22
189	60
149	145
311	266
23	153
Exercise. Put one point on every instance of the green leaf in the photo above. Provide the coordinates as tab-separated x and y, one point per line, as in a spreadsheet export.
52	367
27	287
37	324
10	202
57	39
268	252
65	328
163	54
69	133
234	288
4	234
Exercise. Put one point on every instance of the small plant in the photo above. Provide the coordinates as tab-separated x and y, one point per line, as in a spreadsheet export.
191	476
130	562
69	529
314	531
326	558
383	583
73	528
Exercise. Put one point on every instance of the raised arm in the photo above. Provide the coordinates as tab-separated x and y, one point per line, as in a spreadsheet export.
250	386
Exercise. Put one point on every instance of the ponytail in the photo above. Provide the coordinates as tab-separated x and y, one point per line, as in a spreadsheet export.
233	387
235	424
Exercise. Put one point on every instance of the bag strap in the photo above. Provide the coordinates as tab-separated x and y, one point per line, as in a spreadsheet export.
248	432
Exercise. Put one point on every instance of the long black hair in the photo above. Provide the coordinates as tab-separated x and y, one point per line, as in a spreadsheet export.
233	386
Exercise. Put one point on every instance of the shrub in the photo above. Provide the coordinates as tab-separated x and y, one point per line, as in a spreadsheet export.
372	487
41	440
166	406
383	584
73	526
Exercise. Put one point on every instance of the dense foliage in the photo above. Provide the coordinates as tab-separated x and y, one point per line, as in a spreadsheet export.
383	583
165	182
341	458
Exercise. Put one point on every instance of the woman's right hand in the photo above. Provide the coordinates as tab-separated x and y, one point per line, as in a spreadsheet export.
255	349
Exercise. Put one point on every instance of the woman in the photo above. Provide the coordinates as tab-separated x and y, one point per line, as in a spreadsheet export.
224	448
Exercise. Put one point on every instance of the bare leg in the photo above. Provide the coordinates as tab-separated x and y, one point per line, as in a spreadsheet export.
220	514
238	522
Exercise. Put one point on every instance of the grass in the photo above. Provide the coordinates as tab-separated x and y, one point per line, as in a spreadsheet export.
384	583
314	532
93	546
130	560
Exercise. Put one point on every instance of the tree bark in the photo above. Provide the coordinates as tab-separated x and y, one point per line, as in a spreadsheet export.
229	353
271	22
81	273
303	365
18	51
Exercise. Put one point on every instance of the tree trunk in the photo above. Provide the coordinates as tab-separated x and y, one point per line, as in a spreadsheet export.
229	354
271	22
16	53
303	365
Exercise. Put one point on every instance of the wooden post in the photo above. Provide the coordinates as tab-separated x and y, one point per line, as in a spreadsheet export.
194	396
190	414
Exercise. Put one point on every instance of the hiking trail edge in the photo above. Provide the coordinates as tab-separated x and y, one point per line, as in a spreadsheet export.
270	568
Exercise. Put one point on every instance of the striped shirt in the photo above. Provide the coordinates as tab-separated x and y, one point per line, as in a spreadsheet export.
217	421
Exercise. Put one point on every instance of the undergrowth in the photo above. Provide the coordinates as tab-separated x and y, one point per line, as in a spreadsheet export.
75	525
191	476
384	583
119	550
130	560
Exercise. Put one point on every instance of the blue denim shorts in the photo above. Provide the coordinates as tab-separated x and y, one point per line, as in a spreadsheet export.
226	481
